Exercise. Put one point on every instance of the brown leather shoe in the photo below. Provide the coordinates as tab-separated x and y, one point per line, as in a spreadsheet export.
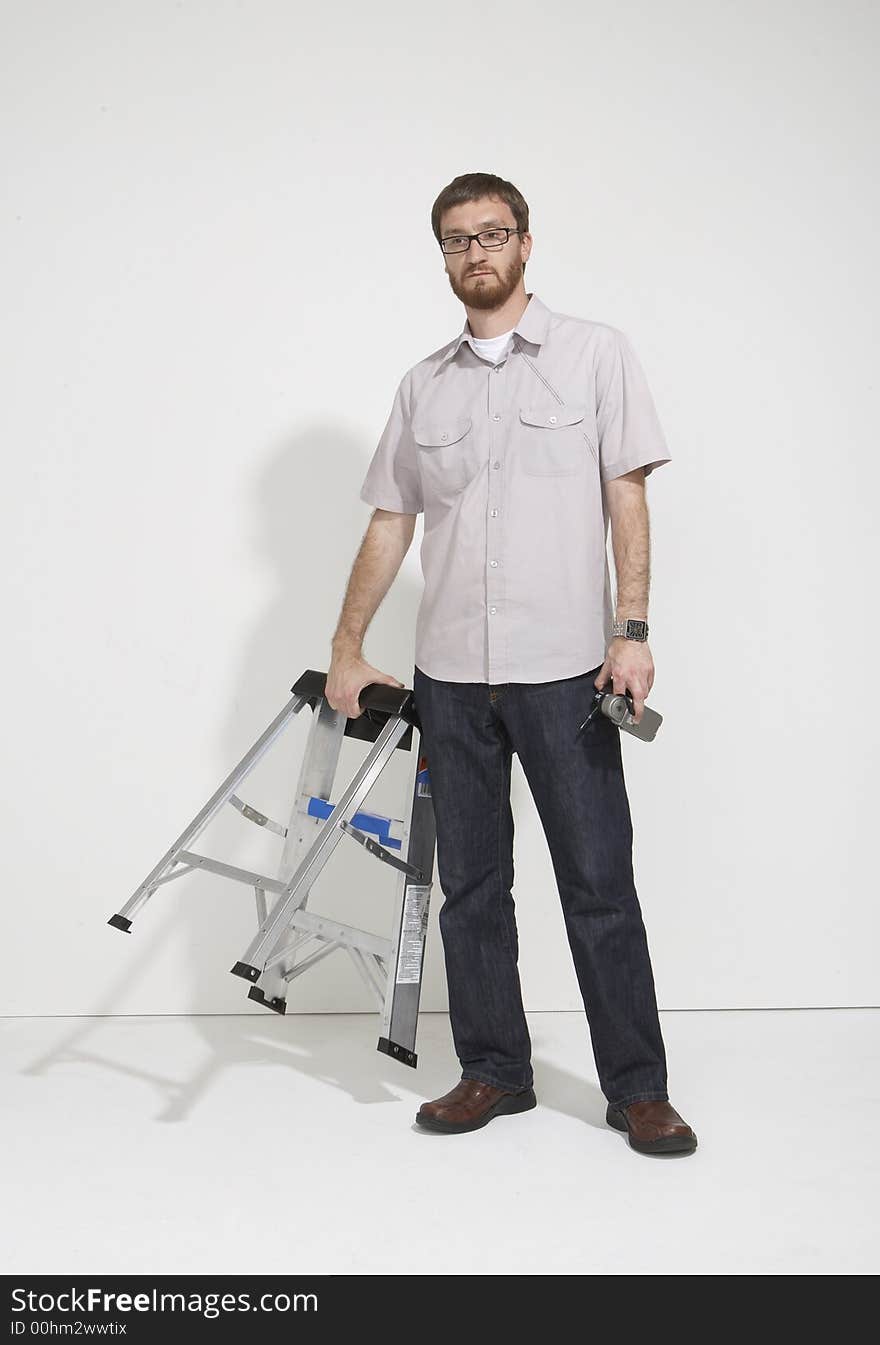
654	1127
471	1104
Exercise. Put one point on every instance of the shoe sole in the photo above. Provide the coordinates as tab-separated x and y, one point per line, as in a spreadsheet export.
507	1105
666	1144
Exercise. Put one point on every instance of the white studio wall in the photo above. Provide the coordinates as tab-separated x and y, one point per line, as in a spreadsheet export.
217	263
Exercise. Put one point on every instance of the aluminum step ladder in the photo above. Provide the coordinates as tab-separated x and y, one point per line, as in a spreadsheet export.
391	967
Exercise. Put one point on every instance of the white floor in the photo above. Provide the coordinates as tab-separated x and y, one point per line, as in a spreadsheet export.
260	1144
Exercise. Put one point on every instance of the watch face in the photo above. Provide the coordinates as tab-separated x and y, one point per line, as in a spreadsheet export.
636	630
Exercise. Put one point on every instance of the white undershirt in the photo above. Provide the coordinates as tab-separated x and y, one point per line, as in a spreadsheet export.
491	348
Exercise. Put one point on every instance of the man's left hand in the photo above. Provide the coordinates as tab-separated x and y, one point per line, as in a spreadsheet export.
629	667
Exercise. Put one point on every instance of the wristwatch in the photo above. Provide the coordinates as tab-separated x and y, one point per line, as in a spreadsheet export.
632	628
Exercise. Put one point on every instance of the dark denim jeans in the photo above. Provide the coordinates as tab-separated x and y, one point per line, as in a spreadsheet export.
469	732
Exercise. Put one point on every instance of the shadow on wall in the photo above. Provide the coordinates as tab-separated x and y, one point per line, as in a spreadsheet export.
307	525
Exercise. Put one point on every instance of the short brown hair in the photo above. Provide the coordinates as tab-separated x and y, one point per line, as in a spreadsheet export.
472	187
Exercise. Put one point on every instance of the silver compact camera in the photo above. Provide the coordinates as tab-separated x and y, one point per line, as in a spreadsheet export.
618	707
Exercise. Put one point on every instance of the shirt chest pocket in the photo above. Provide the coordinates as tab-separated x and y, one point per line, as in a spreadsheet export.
554	440
446	453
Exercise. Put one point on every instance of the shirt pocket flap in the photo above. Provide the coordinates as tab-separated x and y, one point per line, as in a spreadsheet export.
551	417
438	433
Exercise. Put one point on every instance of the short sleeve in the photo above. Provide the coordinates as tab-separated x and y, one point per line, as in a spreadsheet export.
392	480
629	431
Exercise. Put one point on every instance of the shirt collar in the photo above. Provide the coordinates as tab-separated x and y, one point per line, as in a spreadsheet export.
532	327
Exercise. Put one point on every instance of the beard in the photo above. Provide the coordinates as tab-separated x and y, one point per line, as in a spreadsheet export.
488	291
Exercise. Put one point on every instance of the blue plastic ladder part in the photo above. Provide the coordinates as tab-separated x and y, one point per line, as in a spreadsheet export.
380	826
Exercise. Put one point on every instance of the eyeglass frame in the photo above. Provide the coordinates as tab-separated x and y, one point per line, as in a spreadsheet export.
470	238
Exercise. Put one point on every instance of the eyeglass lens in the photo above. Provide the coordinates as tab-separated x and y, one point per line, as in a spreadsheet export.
489	238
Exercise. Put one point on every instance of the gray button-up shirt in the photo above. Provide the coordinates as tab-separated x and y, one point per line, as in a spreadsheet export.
507	463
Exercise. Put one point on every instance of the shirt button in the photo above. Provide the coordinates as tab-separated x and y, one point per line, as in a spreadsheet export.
496	417
493	562
444	436
496	463
497	369
552	420
492	609
494	512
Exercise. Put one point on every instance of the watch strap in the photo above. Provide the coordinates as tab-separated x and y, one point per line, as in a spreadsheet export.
632	628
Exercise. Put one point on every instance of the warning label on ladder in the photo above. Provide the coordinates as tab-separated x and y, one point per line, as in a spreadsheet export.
412	933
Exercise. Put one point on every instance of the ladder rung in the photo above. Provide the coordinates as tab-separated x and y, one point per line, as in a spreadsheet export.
231	871
325	928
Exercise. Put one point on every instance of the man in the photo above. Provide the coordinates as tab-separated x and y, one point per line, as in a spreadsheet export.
520	440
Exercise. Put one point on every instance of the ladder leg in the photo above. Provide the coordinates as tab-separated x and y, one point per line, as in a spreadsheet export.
122	920
404	983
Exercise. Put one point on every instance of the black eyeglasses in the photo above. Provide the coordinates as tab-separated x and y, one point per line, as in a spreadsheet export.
489	238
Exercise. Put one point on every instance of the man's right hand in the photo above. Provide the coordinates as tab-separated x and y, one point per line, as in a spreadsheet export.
349	673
